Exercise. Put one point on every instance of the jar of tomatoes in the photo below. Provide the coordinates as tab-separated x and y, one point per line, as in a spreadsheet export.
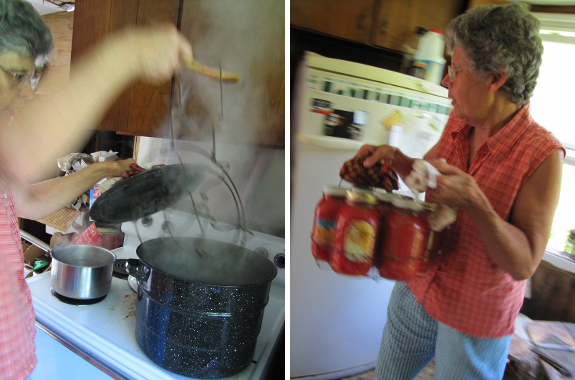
384	205
355	237
404	253
324	223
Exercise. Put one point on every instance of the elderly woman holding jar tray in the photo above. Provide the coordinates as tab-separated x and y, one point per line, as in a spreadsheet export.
502	171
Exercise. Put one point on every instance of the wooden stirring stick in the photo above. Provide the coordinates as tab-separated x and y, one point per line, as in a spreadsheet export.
227	77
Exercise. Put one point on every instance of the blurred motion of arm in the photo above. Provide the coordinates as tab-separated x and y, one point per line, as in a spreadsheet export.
42	199
58	124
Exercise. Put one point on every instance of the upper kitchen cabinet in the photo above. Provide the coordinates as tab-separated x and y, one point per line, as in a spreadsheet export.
349	19
474	3
383	23
142	109
395	21
246	37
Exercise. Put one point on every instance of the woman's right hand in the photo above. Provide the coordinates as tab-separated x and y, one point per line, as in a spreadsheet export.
372	154
388	156
157	51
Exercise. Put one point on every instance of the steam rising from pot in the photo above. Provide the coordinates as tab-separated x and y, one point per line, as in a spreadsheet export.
226	264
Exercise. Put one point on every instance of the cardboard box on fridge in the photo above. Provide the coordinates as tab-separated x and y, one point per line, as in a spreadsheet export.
105	238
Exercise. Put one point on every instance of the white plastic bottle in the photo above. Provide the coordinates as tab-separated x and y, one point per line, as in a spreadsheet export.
430	55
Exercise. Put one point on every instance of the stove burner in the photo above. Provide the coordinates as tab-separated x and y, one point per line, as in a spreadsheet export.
74	301
120	269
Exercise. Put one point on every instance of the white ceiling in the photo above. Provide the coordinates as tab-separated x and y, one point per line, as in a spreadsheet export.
44	7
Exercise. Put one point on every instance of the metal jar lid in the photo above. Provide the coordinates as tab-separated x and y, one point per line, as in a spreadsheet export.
384	196
335	191
410	204
362	196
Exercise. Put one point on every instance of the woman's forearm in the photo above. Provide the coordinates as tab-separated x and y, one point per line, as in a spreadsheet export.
44	198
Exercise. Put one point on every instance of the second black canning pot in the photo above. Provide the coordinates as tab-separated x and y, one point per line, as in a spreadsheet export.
200	304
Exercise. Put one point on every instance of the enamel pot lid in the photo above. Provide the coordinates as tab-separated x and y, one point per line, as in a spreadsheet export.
146	193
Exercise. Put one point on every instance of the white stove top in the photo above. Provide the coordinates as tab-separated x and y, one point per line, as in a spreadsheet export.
104	333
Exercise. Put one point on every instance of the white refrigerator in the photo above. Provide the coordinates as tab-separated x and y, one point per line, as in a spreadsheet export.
336	321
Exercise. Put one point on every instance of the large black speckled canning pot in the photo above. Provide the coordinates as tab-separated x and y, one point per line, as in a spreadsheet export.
200	304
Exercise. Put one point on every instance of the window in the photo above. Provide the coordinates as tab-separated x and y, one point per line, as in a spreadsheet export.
552	106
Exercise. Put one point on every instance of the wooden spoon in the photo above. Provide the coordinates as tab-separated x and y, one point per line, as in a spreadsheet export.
227	77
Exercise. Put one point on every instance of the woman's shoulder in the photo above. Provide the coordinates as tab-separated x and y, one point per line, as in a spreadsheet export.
537	135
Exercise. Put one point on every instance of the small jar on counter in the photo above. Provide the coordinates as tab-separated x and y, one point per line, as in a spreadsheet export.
324	222
404	252
355	238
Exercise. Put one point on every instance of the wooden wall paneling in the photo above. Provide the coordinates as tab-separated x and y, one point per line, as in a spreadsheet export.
123	14
61	25
350	19
149	104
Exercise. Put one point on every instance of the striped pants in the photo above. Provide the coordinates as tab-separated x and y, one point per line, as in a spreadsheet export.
412	338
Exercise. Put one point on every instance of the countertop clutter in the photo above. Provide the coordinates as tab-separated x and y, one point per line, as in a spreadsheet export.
541	348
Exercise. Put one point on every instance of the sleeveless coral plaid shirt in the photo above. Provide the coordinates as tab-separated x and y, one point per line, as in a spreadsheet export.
462	287
17	330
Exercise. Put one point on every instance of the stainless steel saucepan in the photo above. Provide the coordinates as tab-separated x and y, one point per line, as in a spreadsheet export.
82	272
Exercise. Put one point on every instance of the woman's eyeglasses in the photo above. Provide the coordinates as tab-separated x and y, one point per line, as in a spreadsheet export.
452	72
19	79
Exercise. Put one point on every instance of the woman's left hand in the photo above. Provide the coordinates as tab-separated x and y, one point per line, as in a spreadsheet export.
119	168
454	187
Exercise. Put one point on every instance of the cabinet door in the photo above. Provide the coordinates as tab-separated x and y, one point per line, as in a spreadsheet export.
350	19
141	109
474	3
149	105
396	20
91	23
122	14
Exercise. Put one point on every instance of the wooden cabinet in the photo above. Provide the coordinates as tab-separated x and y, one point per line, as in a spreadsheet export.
247	36
384	23
142	108
349	19
395	21
474	3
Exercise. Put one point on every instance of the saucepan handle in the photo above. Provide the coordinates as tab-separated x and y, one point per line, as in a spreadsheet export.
132	269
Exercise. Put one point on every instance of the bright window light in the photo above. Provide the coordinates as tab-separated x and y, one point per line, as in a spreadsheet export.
552	106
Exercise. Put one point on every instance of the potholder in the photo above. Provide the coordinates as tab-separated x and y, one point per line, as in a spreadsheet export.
378	175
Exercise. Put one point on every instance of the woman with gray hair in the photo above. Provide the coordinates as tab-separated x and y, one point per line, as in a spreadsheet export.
502	171
50	127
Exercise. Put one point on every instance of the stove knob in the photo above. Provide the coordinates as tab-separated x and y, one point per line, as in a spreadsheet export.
262	251
280	260
167	226
147	221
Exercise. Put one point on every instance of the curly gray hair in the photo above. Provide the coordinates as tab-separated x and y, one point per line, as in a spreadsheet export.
499	39
23	31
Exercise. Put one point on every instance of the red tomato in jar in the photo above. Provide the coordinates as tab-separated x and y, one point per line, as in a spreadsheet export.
355	239
324	222
403	253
